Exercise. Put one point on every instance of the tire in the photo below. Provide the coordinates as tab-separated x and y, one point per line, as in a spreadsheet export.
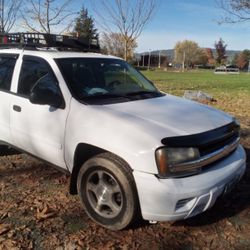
107	191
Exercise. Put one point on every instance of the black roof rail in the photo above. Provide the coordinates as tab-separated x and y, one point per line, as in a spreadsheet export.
43	40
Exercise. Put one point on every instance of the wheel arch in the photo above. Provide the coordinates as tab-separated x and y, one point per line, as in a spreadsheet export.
83	153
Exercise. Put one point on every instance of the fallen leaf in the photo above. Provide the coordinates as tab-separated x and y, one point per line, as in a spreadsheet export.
9	244
45	213
3	216
4	228
11	233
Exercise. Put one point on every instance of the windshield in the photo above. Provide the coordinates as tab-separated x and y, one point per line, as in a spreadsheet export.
95	79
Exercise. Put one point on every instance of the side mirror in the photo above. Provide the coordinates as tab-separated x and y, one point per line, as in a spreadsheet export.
46	92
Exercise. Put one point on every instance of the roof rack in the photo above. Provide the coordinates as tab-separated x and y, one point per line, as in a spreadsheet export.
47	41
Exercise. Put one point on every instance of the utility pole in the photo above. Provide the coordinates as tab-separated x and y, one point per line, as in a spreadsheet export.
159	64
2	16
149	55
183	60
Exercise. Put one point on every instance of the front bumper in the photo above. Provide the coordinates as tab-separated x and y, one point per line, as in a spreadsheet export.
181	198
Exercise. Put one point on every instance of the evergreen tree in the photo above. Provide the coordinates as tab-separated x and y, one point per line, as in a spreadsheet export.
84	25
220	47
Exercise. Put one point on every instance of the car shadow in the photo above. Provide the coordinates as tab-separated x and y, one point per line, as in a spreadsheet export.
245	133
5	151
231	205
22	164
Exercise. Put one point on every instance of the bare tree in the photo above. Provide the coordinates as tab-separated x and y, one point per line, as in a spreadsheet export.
43	15
235	10
9	11
127	17
113	44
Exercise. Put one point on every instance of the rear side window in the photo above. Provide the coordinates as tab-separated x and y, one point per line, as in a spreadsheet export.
33	69
7	65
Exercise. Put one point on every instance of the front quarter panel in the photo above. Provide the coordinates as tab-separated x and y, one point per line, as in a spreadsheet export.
117	133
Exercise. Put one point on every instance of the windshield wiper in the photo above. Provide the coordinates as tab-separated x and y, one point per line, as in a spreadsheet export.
143	92
105	96
128	96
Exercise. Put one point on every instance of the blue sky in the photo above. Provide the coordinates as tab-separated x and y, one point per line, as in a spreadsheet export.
176	20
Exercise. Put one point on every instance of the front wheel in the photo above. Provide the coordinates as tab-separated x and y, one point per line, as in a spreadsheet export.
107	191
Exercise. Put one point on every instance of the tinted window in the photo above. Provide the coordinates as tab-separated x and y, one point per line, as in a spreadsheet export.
33	70
48	82
98	78
7	65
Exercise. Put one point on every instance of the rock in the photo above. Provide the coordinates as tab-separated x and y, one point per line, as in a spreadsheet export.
198	96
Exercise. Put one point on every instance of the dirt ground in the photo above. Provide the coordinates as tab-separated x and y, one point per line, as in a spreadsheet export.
37	212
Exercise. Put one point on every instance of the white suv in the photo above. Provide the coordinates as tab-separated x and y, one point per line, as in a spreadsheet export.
130	148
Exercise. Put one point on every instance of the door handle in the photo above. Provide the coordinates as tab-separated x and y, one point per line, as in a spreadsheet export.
17	108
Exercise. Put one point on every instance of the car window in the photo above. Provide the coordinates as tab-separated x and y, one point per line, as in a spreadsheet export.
96	79
7	64
47	82
33	70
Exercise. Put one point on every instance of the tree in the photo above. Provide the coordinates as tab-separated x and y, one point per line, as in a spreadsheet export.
243	59
84	25
8	14
235	10
43	15
220	48
187	53
113	44
202	58
235	59
210	56
127	17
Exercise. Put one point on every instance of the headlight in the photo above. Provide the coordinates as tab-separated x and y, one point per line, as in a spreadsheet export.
170	161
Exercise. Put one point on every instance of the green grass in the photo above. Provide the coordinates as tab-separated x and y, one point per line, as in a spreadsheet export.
177	82
231	92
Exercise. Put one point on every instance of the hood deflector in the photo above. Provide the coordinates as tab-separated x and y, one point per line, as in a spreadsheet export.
208	141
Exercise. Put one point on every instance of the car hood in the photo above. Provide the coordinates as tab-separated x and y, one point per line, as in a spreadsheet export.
171	115
134	130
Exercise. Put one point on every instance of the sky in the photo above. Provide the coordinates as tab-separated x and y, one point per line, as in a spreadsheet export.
178	20
197	20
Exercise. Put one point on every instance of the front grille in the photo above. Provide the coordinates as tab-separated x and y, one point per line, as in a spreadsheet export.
208	141
219	143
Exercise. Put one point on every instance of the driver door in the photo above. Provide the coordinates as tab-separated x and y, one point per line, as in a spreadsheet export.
37	129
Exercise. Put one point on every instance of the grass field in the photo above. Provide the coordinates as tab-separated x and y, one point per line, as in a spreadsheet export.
177	82
232	92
